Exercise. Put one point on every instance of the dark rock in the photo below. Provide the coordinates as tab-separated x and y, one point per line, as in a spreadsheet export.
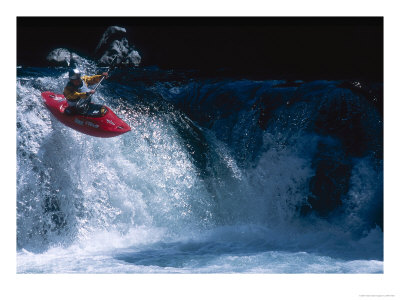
111	34
62	57
59	57
115	43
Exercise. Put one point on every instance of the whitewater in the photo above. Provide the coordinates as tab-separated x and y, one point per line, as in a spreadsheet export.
217	176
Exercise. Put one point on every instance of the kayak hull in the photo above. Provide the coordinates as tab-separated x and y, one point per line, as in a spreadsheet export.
100	122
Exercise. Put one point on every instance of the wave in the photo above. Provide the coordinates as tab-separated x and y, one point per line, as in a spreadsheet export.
230	164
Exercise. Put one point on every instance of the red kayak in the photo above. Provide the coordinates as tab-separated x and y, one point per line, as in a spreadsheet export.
98	121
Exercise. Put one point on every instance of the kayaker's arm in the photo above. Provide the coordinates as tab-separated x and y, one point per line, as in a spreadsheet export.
70	94
90	80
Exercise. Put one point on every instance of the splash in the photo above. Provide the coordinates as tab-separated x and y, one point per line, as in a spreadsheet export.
212	174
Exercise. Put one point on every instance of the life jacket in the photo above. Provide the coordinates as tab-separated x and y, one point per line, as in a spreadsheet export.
72	89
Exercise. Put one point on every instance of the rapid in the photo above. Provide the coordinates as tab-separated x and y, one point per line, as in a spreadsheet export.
218	175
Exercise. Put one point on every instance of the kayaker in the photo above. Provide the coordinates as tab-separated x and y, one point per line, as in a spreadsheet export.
77	89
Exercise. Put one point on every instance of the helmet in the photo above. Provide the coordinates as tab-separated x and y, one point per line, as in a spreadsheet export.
74	74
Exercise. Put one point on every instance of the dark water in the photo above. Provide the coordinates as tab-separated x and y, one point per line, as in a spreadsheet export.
217	175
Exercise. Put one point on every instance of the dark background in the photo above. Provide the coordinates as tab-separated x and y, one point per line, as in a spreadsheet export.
273	47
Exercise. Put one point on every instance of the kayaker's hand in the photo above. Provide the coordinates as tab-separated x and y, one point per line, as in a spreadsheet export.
91	92
105	74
